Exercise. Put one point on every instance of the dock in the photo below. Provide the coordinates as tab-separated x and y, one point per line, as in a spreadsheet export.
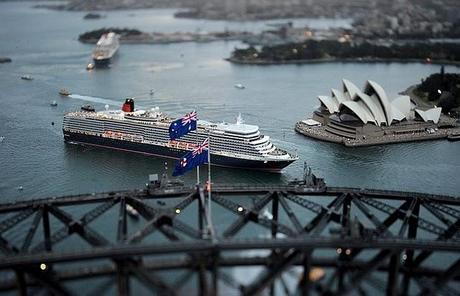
320	133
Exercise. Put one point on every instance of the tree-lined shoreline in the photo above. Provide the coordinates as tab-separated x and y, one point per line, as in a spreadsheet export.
323	51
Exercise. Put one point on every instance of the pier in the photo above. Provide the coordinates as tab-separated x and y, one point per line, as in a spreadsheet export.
323	133
355	238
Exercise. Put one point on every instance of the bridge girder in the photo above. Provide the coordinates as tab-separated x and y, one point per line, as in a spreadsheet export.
366	234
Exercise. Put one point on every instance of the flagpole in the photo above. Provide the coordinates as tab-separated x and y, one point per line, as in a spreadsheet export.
198	167
211	230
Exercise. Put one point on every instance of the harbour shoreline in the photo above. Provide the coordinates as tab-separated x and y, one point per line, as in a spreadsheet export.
319	133
131	36
341	60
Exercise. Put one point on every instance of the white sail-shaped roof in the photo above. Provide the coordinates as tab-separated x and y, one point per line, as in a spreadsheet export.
402	104
374	88
397	115
349	89
360	110
336	94
432	114
374	106
331	105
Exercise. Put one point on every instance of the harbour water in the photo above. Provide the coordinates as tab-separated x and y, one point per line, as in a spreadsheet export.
43	44
33	156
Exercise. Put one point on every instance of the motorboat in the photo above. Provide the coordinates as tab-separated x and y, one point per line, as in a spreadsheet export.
64	92
27	77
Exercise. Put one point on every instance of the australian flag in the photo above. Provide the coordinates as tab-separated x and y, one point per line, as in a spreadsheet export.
192	159
182	126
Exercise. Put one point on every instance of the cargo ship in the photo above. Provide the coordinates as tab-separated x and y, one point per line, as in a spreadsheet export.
106	47
236	145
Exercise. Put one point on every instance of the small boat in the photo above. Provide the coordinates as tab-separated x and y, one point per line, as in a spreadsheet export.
132	211
240	86
53	104
87	108
152	92
266	214
64	92
26	77
2	138
92	16
90	66
453	137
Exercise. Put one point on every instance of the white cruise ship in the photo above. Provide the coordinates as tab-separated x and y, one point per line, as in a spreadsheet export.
232	145
106	48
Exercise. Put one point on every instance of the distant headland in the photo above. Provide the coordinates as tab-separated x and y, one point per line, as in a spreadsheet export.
321	51
134	36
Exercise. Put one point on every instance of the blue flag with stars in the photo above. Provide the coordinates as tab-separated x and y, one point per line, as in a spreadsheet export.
192	159
183	126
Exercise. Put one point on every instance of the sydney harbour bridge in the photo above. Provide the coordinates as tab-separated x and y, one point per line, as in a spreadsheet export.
302	238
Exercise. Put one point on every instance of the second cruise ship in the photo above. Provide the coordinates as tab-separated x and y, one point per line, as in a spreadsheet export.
106	48
236	145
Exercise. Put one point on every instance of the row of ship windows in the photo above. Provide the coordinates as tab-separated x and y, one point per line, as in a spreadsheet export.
164	130
223	137
222	142
226	148
75	124
217	141
139	128
85	125
217	145
153	133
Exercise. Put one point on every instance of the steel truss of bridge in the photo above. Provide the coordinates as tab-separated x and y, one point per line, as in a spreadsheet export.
301	238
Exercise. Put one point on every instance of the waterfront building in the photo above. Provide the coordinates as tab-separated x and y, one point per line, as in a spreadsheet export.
368	116
371	105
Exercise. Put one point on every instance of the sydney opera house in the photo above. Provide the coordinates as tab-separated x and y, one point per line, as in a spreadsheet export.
368	114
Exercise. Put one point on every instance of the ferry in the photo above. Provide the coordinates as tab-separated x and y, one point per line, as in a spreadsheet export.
64	92
236	145
106	48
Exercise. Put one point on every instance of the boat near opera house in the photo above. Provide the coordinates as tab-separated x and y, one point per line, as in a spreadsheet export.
363	117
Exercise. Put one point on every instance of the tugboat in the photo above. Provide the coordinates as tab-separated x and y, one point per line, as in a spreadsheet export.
64	92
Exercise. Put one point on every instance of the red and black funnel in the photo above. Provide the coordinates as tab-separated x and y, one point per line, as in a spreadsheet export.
128	106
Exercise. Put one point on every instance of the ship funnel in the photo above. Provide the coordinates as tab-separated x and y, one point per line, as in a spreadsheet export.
128	106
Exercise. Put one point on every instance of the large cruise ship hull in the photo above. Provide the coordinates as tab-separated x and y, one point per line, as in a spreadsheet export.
168	152
102	62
